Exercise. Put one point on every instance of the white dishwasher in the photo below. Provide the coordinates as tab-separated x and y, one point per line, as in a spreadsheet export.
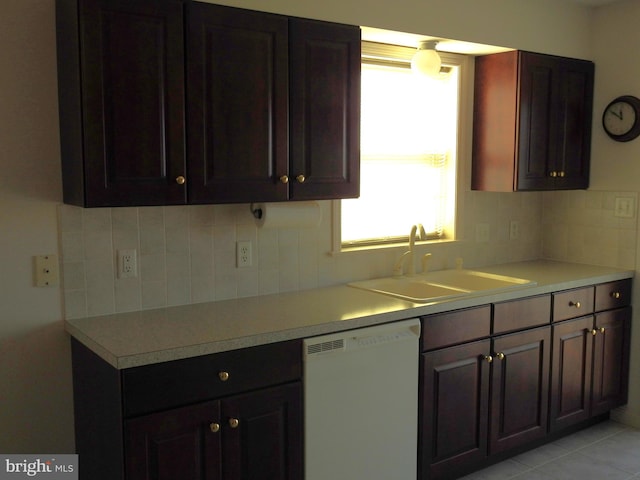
361	403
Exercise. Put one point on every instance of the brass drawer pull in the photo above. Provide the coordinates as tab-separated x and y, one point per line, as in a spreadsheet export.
223	376
180	180
214	427
234	422
615	295
574	304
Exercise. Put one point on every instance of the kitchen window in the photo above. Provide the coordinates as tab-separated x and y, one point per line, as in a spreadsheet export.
409	149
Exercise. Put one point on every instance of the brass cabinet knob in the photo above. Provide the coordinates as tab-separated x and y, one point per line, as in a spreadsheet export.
594	332
300	178
553	174
224	376
574	304
601	329
488	358
214	427
561	174
616	295
234	422
180	180
284	179
500	355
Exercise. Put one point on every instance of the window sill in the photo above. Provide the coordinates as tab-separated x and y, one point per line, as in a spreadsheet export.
387	246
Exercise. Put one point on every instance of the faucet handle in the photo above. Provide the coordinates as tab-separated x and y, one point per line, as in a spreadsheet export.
425	262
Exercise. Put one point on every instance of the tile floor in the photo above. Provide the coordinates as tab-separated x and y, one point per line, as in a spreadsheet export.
606	451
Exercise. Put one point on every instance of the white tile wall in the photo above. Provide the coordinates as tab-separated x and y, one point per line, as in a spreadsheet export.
581	226
187	254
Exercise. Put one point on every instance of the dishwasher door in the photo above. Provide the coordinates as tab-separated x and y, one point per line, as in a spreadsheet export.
361	403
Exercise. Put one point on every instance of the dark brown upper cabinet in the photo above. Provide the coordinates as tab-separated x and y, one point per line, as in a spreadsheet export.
325	110
121	92
237	71
532	122
273	107
170	102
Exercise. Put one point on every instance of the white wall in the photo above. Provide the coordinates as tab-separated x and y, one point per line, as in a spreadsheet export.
35	379
35	398
615	39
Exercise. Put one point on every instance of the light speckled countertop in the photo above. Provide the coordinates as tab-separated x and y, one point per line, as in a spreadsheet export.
150	336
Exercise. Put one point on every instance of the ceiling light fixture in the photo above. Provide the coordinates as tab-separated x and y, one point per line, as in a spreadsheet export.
426	60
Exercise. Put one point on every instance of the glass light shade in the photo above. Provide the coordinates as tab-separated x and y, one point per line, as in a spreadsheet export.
426	61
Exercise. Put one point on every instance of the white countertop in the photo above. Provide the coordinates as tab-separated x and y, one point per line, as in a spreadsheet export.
150	336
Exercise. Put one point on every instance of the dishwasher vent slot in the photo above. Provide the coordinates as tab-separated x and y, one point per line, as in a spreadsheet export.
329	346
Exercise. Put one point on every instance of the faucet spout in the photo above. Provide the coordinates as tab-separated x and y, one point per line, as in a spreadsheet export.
411	270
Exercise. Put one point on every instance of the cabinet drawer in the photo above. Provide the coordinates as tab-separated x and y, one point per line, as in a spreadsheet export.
613	295
572	303
459	326
166	385
523	313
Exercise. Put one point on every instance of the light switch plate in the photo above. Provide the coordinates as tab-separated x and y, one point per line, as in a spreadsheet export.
47	272
625	207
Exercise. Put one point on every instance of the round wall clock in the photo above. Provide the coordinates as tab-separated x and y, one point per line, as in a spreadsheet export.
621	118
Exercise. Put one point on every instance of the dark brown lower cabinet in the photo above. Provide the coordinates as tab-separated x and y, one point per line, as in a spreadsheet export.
252	436
455	410
611	360
519	388
590	366
482	398
571	372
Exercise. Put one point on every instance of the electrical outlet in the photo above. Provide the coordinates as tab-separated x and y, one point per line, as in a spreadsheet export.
127	264
514	230
243	254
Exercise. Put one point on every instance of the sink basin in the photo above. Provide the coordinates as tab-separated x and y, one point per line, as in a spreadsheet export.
442	285
414	290
473	280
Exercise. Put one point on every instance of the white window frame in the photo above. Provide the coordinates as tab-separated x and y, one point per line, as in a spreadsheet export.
463	147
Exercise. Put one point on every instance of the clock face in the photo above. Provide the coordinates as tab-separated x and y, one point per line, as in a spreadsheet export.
621	119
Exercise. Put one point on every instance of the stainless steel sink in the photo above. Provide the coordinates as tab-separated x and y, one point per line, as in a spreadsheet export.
445	284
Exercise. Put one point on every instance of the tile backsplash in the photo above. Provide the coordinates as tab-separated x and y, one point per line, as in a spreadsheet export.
582	226
186	254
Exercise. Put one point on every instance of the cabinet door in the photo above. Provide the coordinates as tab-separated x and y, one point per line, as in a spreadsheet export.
237	70
179	443
611	360
538	126
556	97
519	388
453	410
325	110
133	102
574	121
263	434
571	372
